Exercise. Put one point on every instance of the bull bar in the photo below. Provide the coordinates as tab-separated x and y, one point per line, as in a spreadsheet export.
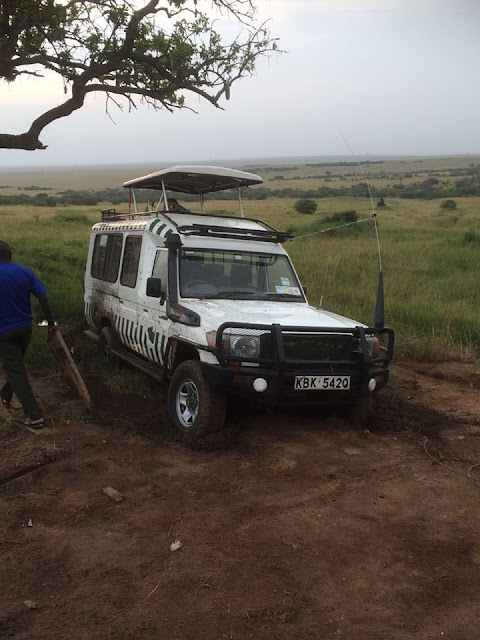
280	371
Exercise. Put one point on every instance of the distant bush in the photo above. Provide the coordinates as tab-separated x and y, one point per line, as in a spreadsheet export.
470	237
336	219
448	204
44	200
343	216
381	203
304	205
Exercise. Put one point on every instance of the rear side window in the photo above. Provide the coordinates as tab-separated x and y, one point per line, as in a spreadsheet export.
107	252
160	265
131	258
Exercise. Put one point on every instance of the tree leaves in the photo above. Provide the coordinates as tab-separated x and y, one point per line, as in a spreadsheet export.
155	52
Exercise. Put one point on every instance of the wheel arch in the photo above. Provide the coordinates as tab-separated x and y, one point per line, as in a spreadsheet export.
179	351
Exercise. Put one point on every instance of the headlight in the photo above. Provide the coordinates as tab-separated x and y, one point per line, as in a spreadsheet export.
240	346
373	346
245	346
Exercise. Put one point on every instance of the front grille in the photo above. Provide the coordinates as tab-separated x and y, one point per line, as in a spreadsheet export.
320	347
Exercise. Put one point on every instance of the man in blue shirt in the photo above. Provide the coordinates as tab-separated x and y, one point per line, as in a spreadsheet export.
17	283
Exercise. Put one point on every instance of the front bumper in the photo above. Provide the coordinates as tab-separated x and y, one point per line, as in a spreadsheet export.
236	375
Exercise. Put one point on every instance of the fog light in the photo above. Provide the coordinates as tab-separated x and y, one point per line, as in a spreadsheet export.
372	383
260	384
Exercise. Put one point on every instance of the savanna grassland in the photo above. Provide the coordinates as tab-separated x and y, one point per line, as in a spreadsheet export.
431	255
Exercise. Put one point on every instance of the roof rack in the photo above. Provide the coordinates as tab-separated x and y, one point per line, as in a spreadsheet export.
263	235
268	234
111	215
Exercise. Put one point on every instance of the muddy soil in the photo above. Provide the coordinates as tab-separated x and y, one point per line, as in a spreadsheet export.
304	528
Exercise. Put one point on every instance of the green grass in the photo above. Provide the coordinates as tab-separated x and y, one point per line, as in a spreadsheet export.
431	263
431	279
54	244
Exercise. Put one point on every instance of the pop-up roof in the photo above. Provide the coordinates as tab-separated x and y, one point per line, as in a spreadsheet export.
195	179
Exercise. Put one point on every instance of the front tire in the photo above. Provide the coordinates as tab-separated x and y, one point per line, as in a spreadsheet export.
361	411
196	409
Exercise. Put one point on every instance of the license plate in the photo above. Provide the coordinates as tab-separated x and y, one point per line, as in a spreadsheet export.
322	383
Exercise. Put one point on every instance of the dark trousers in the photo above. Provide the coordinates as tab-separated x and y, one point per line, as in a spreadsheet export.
13	345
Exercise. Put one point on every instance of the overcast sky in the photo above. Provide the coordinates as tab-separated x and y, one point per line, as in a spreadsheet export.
395	76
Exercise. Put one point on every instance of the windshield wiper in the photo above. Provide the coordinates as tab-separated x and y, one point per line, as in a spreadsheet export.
284	296
233	293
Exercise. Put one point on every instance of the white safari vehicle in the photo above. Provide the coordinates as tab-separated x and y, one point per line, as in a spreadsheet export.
214	305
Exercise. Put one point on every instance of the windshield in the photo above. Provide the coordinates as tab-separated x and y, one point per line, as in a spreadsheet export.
237	276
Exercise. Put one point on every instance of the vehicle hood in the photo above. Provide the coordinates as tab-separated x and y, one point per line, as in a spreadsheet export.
213	313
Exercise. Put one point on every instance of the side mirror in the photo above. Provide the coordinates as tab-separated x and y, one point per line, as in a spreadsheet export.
154	287
304	289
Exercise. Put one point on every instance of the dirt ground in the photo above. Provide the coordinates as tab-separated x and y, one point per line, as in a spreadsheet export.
304	528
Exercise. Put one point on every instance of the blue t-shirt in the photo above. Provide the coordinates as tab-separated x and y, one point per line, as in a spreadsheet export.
16	285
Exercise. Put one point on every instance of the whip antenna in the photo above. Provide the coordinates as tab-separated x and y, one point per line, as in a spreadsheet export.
379	318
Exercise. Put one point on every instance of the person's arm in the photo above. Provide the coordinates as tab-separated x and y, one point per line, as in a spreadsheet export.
47	310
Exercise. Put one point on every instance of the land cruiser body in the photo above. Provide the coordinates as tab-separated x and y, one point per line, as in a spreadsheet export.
214	306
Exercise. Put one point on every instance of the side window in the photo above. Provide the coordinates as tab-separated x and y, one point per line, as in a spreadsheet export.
98	258
107	251
112	259
160	268
131	258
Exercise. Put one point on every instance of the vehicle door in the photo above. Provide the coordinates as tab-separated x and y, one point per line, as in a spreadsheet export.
126	323
152	312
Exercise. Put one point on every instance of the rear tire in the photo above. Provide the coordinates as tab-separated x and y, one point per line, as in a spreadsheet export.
104	342
196	409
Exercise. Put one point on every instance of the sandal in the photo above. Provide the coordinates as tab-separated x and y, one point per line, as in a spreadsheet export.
34	424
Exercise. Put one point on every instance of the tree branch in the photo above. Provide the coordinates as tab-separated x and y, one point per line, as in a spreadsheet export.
117	48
